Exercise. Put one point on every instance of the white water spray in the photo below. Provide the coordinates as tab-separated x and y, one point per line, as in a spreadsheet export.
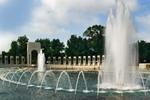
41	61
120	50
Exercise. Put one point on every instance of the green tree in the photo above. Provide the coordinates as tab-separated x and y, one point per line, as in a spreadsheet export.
144	51
3	56
22	43
77	46
46	46
14	48
51	48
95	35
57	47
94	31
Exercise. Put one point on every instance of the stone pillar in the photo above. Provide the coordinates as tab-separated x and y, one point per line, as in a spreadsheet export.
1	59
84	60
79	60
69	60
59	60
93	60
17	59
89	60
6	59
54	60
98	60
64	60
74	60
49	60
29	57
103	58
11	60
22	60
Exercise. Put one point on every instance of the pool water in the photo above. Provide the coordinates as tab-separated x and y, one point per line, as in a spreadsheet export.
11	89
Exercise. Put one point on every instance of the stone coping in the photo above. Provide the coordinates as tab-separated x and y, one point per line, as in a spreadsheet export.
55	67
142	67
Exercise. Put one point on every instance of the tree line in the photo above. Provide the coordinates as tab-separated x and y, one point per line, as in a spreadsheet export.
91	43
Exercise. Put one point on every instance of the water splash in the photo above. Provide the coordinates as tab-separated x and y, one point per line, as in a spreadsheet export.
5	76
41	61
31	78
99	80
19	81
120	50
143	83
68	77
49	71
16	72
77	81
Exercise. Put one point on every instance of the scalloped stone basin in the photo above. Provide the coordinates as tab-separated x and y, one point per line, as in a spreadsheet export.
87	84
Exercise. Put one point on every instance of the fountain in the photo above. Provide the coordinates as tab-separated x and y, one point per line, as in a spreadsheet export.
119	68
119	73
41	61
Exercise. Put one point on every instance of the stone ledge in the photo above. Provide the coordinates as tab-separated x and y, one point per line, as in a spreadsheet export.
144	66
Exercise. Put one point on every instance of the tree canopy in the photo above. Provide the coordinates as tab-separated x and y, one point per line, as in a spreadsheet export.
14	48
76	46
95	34
94	31
51	48
22	45
19	47
144	51
91	43
45	45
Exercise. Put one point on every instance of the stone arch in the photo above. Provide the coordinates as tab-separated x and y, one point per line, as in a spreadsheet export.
32	46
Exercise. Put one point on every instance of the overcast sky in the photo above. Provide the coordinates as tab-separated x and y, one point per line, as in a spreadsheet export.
61	18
